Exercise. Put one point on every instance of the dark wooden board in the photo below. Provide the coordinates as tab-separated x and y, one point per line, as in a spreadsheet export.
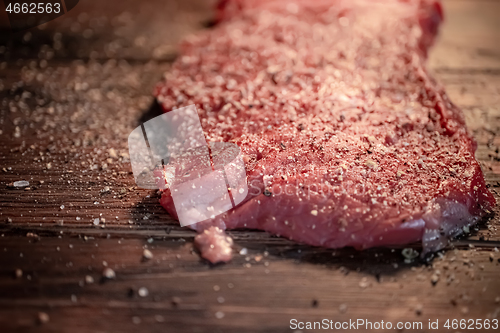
74	94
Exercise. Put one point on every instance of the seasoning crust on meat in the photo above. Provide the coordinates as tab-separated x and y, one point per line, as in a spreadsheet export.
346	138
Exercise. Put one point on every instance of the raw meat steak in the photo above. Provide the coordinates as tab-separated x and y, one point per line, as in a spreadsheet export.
347	139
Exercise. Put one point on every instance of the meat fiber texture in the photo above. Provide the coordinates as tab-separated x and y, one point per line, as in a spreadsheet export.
347	139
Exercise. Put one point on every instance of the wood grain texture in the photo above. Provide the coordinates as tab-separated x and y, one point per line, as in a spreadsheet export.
75	88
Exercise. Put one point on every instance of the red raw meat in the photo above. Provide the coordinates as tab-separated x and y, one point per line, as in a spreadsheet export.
347	139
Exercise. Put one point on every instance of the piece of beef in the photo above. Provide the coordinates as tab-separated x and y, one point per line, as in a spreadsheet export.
347	139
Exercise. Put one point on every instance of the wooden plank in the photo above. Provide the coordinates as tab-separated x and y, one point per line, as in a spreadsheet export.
76	107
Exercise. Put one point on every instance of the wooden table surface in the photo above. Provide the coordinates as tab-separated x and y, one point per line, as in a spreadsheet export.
71	92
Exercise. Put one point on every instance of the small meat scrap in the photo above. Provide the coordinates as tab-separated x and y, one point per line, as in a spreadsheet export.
214	245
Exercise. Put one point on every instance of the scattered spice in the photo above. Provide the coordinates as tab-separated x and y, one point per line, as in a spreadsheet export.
43	317
176	301
364	283
21	184
434	279
147	255
409	254
89	279
143	292
108	273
